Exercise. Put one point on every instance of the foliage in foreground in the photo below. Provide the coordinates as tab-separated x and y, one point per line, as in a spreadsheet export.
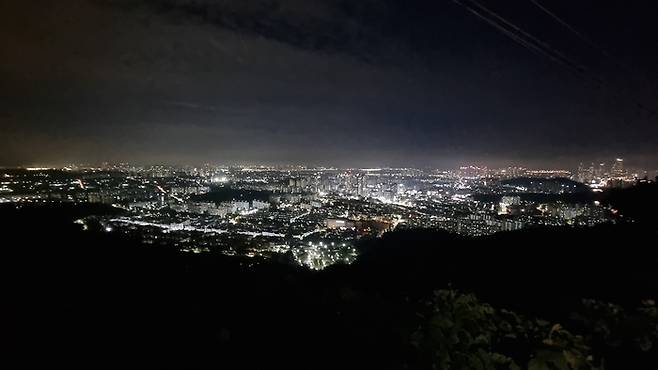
460	332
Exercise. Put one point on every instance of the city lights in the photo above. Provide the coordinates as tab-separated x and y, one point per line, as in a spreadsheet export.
316	215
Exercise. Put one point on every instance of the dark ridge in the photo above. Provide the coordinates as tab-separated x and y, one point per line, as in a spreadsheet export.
77	297
224	194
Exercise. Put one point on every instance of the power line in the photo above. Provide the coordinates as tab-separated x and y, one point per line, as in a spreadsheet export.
536	40
595	46
537	46
535	49
569	27
524	38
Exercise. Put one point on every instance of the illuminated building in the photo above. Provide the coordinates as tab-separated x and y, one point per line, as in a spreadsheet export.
335	223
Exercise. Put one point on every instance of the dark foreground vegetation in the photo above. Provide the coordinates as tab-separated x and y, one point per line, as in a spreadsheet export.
539	299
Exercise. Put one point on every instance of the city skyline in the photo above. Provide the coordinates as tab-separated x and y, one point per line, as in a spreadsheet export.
593	167
314	217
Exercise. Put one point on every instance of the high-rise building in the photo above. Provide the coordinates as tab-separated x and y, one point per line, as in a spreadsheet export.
599	172
618	168
585	174
506	202
258	204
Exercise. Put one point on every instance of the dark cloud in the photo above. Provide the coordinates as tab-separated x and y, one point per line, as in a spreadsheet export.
323	26
327	81
374	31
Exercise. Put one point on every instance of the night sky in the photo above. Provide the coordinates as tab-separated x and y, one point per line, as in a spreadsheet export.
328	82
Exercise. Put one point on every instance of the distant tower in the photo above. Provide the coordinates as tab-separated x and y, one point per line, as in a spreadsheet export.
580	173
618	168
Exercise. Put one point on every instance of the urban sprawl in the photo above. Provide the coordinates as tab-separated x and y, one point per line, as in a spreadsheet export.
314	216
